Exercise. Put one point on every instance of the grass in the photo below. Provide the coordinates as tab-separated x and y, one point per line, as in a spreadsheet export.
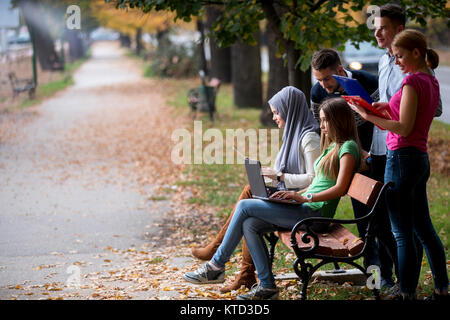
219	185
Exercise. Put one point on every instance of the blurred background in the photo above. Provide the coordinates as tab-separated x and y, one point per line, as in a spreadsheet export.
44	57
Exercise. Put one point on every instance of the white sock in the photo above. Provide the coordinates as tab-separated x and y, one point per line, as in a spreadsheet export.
213	266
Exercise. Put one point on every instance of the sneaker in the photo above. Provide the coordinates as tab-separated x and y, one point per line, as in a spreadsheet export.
386	284
260	293
205	274
404	297
392	292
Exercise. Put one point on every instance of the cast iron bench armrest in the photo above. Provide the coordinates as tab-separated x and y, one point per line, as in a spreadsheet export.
308	222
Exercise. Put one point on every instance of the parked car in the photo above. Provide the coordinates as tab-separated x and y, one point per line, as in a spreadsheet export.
365	58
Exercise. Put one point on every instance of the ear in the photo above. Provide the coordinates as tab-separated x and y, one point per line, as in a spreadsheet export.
416	53
340	71
400	28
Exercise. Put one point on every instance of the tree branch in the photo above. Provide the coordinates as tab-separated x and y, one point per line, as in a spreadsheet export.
317	5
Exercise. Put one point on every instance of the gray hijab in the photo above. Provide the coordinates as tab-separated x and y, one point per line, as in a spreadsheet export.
291	104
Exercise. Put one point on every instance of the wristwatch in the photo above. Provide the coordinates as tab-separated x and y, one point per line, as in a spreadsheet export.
279	174
309	197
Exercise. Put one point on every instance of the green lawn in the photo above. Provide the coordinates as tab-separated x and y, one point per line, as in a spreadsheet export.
219	185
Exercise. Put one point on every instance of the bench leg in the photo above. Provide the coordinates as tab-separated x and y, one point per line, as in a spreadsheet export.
304	273
273	239
31	93
336	266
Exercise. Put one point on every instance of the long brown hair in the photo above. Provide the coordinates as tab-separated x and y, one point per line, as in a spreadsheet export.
410	39
341	128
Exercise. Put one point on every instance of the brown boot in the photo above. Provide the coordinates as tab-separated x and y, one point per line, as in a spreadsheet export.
207	252
247	275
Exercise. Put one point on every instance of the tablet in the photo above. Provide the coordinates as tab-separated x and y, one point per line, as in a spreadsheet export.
363	103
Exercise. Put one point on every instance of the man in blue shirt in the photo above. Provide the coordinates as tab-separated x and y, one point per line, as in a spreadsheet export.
391	21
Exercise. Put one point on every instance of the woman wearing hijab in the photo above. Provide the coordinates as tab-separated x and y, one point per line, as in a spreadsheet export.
340	158
294	168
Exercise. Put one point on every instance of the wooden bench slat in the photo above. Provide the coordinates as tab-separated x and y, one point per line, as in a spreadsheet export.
364	189
338	241
353	243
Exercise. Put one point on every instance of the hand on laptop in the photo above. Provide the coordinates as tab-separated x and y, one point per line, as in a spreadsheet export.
269	172
288	195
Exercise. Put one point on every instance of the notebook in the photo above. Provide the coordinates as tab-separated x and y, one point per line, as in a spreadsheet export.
257	184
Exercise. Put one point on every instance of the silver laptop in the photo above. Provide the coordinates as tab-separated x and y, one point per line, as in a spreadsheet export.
257	184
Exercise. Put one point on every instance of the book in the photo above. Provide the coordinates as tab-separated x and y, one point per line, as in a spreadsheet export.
366	105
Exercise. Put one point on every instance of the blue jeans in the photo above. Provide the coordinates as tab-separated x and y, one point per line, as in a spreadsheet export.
253	218
407	204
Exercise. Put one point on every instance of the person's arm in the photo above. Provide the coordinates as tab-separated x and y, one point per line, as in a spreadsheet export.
439	109
311	151
407	118
346	168
347	165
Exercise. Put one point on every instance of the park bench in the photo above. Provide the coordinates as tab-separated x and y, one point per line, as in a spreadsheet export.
21	85
203	98
327	239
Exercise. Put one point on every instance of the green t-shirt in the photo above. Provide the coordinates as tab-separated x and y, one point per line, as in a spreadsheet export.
321	182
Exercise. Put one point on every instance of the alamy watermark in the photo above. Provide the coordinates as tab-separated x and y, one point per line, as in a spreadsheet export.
372	12
73	17
212	147
374	280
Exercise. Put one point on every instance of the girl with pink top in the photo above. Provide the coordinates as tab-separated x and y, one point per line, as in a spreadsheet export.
412	109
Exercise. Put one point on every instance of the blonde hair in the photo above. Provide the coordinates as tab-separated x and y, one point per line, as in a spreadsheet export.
341	128
410	39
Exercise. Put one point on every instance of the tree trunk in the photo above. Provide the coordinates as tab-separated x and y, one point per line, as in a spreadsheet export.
203	65
139	45
297	78
76	50
125	40
43	42
278	77
246	74
220	57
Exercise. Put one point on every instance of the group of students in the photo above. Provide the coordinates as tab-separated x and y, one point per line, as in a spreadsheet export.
323	148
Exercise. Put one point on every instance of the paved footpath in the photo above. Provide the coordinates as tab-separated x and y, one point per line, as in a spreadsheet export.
71	212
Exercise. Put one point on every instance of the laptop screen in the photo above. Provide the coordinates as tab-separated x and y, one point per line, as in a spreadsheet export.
255	178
